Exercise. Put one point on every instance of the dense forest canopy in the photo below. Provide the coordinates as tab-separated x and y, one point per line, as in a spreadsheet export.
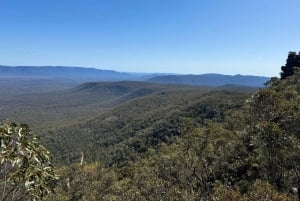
180	143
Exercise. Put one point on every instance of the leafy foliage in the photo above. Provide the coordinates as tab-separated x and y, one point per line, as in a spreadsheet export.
25	165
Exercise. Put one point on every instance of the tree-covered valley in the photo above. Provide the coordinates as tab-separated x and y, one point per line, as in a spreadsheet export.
133	140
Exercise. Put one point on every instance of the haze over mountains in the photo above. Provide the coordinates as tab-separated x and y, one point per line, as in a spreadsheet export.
168	124
75	73
149	100
212	80
78	75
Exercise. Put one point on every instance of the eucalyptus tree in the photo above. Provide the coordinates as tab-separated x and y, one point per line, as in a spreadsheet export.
26	172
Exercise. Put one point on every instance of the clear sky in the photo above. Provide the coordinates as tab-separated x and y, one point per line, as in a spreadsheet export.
175	36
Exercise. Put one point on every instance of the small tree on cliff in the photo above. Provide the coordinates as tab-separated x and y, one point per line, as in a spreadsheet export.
292	61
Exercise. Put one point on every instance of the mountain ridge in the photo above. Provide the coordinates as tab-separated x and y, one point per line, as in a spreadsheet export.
84	74
60	71
212	79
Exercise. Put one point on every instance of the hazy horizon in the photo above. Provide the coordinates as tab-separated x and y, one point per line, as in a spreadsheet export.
158	36
141	73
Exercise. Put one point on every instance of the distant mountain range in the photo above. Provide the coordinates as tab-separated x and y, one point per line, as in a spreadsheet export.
212	80
82	74
77	73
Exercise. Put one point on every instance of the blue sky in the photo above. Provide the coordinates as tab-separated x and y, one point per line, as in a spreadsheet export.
175	36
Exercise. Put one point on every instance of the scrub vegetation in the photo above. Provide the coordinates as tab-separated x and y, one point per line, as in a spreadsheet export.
146	141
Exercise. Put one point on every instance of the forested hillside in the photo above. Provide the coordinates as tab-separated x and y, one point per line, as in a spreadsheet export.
132	128
52	109
143	141
221	145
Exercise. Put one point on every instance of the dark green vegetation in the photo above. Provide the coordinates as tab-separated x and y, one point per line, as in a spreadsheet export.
127	132
51	109
220	145
143	141
292	61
